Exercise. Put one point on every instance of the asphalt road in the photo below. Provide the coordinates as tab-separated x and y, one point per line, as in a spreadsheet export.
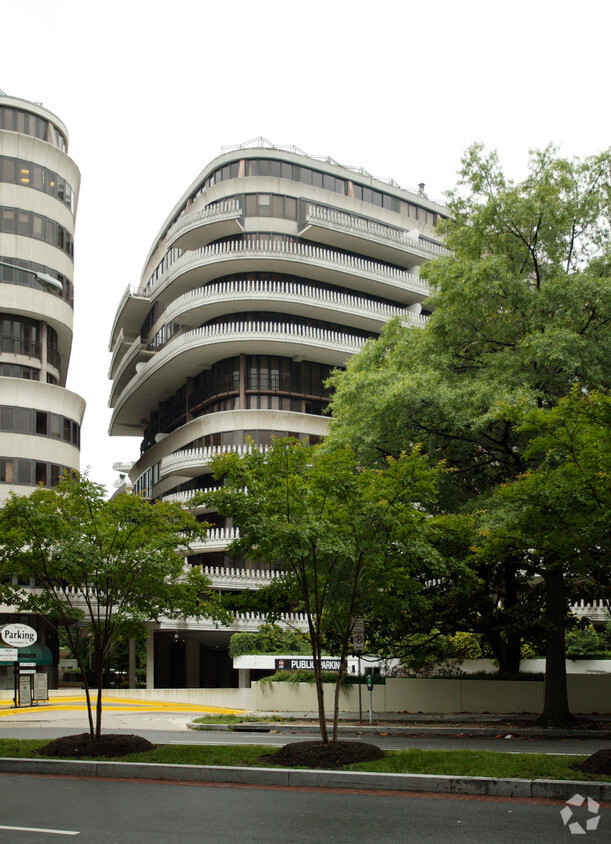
159	731
35	809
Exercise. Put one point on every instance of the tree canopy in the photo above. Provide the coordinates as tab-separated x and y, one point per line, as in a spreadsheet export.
105	565
521	312
346	536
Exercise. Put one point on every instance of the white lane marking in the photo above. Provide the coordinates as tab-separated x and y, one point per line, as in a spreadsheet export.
41	829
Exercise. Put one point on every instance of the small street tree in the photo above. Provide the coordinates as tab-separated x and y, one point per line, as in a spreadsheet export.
345	535
106	565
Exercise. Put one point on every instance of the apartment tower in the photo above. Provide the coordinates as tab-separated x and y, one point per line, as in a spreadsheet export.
271	270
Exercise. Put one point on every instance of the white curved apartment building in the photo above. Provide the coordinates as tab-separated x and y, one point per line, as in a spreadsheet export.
40	419
272	269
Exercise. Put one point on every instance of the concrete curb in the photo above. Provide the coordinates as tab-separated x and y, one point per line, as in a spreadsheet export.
549	789
353	729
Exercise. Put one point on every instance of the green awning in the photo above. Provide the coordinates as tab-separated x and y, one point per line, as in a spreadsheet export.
40	654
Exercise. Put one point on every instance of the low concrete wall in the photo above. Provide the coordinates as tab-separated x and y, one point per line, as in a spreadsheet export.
588	694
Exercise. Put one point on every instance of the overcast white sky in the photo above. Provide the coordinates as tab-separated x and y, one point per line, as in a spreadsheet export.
150	91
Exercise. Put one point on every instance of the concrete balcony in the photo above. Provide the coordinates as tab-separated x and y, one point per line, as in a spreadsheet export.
131	313
122	343
356	274
376	240
192	462
249	622
239	579
187	354
209	302
217	539
135	353
185	497
196	229
595	610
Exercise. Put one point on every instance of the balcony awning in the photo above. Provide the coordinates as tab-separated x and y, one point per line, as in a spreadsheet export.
40	654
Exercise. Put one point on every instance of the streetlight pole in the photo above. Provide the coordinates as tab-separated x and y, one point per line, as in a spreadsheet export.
50	284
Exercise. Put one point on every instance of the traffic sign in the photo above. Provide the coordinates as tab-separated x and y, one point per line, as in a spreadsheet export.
358	641
358	625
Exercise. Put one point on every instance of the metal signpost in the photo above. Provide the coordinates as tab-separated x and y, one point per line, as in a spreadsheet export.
358	643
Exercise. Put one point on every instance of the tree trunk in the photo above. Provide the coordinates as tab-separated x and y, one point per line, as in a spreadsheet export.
338	685
98	706
556	711
507	652
320	692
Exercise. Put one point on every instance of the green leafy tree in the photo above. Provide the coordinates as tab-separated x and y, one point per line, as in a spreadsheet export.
557	514
106	565
345	535
521	313
269	639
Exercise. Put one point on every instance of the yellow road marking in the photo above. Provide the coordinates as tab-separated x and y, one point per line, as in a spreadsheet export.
113	704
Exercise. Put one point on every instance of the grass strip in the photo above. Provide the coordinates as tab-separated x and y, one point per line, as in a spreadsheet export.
465	763
238	719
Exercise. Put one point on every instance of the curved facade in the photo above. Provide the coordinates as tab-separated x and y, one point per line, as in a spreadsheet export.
272	269
40	420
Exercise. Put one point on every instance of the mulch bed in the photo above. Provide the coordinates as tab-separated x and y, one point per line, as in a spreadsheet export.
316	754
597	763
109	744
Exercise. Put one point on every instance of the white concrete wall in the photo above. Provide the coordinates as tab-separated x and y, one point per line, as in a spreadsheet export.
537	666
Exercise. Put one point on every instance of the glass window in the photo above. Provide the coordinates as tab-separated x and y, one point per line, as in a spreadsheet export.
37	226
7	419
367	195
358	191
56	426
263	167
251	205
328	182
377	198
264	204
7	474
8	220
316	179
24	173
41	473
23	223
387	201
290	208
8	170
305	175
42	422
286	170
277	206
275	169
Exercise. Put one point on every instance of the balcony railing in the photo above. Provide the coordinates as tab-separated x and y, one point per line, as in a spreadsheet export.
199	458
339	344
410	241
289	292
19	346
227	209
187	495
301	252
